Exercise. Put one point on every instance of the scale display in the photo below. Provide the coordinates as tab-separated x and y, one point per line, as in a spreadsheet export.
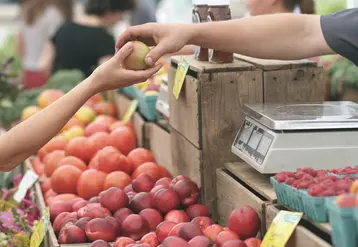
275	138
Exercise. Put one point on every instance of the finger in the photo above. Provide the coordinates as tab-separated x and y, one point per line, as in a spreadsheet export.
143	75
157	52
124	52
142	32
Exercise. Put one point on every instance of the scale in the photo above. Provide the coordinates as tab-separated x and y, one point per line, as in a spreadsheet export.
162	104
275	138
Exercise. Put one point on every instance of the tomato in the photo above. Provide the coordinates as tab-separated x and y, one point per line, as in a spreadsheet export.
73	161
123	139
117	179
110	160
90	183
52	161
64	179
105	108
100	140
150	168
140	156
81	147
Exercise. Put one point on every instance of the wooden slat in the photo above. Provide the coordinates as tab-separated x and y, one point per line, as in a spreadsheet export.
186	157
257	181
232	195
138	124
270	64
207	67
184	111
122	103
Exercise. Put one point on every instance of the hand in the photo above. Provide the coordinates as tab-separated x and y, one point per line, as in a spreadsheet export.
166	38
111	74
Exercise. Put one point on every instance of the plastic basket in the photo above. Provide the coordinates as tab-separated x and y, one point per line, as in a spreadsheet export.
146	105
343	222
343	176
315	207
129	91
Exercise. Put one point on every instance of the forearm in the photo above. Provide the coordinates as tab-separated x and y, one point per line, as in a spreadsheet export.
281	36
29	136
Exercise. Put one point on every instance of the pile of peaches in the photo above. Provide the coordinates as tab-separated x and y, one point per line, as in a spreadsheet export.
148	213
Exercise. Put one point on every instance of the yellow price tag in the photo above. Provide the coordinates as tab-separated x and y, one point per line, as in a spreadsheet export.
281	229
180	74
40	230
131	110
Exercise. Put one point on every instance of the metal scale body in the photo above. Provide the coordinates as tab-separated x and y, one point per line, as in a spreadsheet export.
275	138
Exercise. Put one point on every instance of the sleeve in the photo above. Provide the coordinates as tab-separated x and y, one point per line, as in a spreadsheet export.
340	31
106	46
54	20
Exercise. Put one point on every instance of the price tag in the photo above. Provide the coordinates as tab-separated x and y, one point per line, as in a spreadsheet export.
40	230
182	69
26	183
281	229
131	110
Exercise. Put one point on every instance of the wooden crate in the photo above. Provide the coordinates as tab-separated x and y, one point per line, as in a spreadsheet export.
159	143
289	81
231	194
301	236
207	115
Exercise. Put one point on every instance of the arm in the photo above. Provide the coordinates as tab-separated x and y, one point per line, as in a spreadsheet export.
47	58
29	136
20	44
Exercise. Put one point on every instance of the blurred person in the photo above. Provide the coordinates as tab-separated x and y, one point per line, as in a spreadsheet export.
85	42
262	7
40	19
144	12
26	138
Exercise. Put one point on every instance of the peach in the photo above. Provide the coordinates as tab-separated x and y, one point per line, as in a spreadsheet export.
92	211
165	182
131	195
135	227
163	229
61	218
141	201
123	139
113	199
197	210
136	60
123	242
213	231
105	108
49	96
244	222
59	207
110	160
122	214
346	200
151	239
253	242
68	222
187	191
176	216
189	231
115	224
203	221
93	128
105	119
164	173
100	243
224	237
94	199
72	235
143	183
56	143
128	188
234	243
100	229
117	179
29	112
52	161
81	223
179	178
201	241
156	189
80	204
81	147
152	216
73	161
100	140
64	179
175	230
174	242
73	122
166	200
140	156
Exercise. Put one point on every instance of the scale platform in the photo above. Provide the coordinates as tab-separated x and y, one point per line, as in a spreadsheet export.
276	137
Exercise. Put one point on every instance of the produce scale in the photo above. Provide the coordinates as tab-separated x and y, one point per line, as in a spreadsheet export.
277	137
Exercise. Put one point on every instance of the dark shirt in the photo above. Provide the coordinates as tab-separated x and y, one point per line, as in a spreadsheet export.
81	47
144	12
341	33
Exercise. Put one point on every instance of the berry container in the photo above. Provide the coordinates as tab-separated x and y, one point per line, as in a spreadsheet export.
344	226
315	207
146	105
129	91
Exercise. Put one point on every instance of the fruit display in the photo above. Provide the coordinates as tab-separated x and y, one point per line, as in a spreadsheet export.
307	190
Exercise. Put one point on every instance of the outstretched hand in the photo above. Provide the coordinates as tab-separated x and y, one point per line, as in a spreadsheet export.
164	38
112	75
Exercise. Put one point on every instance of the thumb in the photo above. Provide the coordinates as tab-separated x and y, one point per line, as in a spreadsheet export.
157	52
124	52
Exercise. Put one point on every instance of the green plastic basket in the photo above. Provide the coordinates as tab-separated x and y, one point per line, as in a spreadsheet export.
129	91
146	105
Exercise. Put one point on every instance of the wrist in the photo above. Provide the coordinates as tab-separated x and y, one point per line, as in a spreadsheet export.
90	87
193	32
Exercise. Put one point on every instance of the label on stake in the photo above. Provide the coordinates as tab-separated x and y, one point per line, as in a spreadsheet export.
40	230
26	183
281	229
131	110
180	74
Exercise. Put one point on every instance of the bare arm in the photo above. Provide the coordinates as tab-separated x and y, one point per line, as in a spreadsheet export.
29	136
20	44
280	36
47	58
